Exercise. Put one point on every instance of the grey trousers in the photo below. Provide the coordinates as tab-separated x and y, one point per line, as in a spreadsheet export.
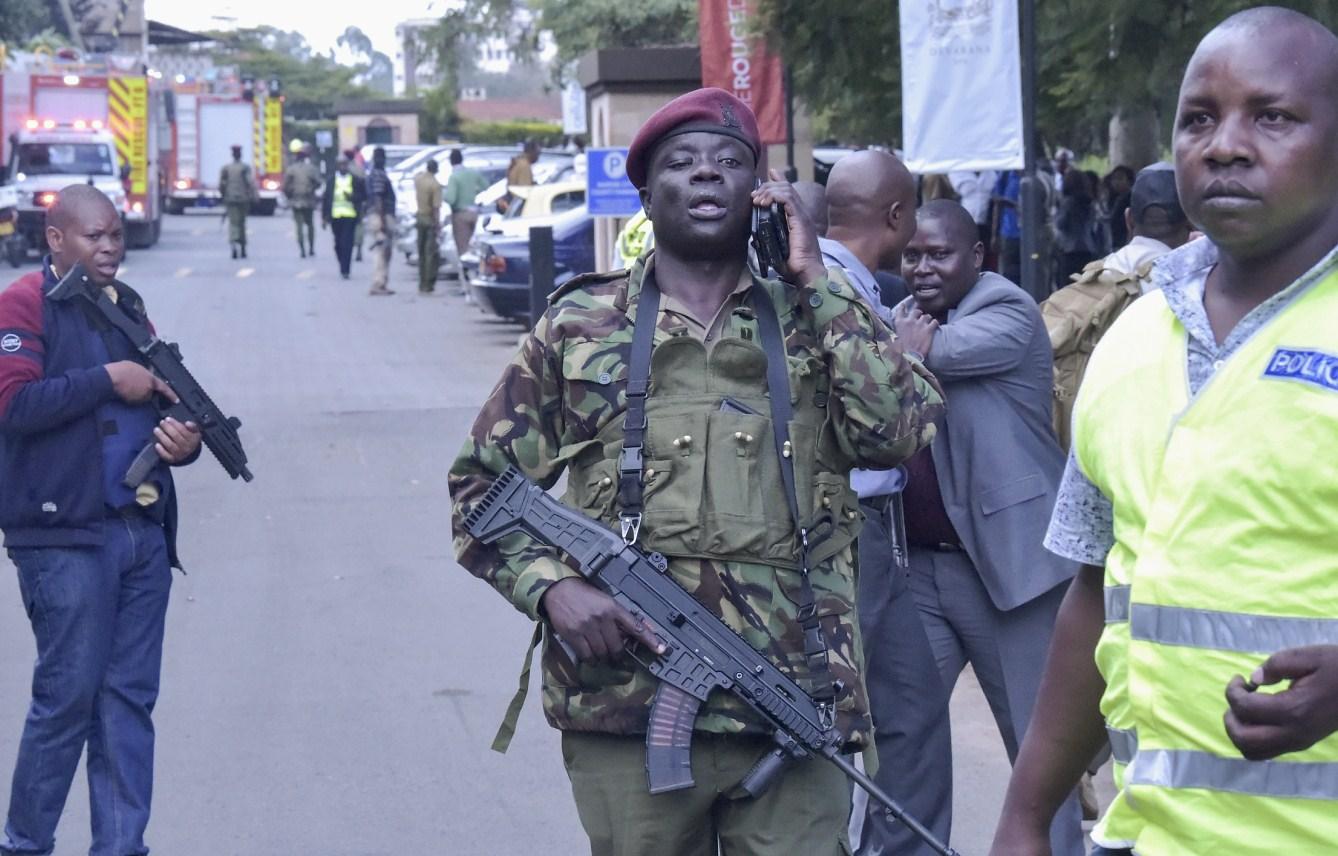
958	624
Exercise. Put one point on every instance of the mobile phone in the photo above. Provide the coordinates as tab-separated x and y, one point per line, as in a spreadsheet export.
771	239
730	405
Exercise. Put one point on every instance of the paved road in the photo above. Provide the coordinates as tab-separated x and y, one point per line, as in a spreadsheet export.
332	678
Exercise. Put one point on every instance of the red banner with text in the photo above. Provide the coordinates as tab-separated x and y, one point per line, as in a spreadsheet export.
735	59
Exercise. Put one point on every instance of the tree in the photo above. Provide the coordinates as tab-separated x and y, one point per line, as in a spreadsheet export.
1099	60
844	55
1117	66
379	74
22	20
580	26
312	82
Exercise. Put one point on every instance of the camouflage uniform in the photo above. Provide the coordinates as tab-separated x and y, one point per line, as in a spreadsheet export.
238	190
560	403
301	184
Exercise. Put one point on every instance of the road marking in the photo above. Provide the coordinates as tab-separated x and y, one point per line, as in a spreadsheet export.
306	274
182	273
245	272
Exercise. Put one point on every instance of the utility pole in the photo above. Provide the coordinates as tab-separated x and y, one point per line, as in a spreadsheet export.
1032	195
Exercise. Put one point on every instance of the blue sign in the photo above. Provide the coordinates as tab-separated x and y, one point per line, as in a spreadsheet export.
608	193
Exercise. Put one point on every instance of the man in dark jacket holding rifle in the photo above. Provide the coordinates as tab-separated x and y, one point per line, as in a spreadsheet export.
94	556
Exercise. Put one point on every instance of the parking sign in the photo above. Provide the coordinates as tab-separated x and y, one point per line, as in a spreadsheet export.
608	193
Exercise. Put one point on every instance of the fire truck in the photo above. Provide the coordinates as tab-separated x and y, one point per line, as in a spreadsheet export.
65	120
211	118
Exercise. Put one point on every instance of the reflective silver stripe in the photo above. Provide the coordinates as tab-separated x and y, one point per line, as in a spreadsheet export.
1166	768
1123	743
1228	631
1117	604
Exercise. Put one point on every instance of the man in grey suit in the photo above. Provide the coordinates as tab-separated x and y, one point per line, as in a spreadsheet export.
977	504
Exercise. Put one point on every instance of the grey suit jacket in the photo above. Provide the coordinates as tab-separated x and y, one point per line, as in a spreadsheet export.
997	458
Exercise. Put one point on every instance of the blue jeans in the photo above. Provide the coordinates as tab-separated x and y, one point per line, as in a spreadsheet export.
97	614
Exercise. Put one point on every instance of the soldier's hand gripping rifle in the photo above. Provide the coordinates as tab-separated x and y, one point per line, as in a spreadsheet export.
219	432
701	654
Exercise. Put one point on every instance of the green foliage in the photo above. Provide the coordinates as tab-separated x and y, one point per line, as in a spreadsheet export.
312	82
438	118
580	26
21	20
1095	57
845	58
501	133
379	73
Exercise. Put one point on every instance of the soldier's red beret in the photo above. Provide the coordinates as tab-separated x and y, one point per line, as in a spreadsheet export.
712	110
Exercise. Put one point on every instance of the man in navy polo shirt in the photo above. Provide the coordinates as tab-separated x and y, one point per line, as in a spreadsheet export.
94	556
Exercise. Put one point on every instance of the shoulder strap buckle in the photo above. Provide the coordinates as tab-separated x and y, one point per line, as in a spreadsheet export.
630	524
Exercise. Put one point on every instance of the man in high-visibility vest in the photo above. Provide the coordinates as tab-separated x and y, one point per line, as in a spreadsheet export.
341	211
1202	491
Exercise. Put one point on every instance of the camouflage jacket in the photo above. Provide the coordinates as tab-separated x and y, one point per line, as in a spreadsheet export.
566	388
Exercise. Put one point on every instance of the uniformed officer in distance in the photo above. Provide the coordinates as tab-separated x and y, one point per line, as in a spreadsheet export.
714	501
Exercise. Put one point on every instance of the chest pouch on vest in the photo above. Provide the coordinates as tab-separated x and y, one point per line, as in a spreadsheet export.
685	419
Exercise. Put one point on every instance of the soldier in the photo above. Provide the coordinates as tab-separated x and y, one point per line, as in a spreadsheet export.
708	490
238	188
428	191
520	172
302	184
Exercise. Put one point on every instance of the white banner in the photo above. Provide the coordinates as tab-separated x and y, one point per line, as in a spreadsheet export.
961	85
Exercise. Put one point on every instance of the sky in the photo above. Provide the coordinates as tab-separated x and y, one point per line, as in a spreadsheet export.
320	22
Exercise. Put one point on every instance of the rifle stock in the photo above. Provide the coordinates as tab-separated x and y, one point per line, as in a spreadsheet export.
701	654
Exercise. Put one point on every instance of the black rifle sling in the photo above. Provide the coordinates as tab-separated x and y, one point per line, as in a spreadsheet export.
823	688
631	487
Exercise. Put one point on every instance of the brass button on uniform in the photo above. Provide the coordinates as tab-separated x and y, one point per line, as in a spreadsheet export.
650	474
606	481
815	300
834	287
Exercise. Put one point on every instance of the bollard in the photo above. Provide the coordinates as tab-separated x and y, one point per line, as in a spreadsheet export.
541	270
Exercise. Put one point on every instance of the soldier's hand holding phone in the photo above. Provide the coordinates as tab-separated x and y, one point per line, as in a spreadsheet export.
804	262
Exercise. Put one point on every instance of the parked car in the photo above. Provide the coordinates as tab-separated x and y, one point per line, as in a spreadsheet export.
491	162
501	286
396	153
539	200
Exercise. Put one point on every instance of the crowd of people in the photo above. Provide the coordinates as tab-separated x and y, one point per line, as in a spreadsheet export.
1057	495
1083	214
879	466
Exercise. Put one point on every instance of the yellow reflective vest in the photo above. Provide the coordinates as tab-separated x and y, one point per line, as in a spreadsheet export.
1226	551
342	205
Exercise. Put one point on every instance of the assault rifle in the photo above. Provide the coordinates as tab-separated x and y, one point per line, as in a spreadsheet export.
701	654
219	432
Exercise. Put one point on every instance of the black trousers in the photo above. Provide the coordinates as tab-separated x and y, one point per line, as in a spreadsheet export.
343	228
